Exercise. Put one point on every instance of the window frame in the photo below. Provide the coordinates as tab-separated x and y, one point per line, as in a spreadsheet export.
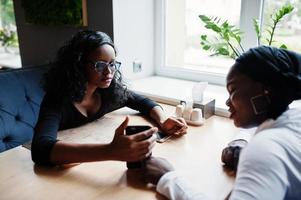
249	10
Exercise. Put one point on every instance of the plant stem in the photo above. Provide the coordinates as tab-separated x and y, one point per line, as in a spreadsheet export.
272	34
237	54
233	49
241	47
236	49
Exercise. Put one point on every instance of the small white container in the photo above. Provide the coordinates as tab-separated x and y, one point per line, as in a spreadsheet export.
196	114
187	113
179	110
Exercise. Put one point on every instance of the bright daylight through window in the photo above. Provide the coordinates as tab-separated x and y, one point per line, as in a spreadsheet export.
181	30
289	30
9	46
184	28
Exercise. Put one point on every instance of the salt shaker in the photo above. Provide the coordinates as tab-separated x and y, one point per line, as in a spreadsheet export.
179	110
187	112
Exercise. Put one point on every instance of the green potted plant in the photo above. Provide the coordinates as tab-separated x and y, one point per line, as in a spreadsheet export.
228	40
42	12
8	38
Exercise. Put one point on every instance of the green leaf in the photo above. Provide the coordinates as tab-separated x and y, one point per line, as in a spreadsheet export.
208	26
223	51
267	40
204	37
269	31
206	47
204	18
225	24
256	26
283	46
216	29
226	36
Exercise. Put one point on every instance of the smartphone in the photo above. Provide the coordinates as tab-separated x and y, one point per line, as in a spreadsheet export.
162	137
131	130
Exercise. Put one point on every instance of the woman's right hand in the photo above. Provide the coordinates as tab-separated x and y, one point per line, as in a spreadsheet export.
132	147
230	154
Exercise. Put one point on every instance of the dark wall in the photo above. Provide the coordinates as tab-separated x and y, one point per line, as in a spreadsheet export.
39	44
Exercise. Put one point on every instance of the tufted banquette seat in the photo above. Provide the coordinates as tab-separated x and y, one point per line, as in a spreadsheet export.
20	97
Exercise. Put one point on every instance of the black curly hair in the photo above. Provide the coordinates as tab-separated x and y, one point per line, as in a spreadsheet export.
67	80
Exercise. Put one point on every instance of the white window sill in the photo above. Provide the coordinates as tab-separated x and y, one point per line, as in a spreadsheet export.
172	91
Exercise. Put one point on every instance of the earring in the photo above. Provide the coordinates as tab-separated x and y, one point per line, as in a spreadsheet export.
260	103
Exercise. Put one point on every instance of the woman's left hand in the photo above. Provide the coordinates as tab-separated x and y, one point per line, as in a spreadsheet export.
174	126
155	168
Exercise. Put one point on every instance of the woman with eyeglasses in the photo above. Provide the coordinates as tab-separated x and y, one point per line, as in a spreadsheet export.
83	85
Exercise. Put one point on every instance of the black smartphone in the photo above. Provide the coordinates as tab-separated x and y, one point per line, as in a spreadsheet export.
131	130
162	137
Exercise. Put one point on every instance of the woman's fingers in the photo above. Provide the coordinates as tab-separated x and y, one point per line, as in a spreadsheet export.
144	135
143	148
178	131
173	126
147	144
183	121
123	125
181	131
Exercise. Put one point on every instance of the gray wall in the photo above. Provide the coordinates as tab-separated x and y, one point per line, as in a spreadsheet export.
39	44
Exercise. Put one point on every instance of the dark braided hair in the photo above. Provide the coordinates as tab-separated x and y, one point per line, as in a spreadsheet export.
67	80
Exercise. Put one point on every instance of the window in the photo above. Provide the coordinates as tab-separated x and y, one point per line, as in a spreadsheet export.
288	31
9	47
178	30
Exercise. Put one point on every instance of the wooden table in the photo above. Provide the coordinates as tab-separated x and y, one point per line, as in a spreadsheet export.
196	156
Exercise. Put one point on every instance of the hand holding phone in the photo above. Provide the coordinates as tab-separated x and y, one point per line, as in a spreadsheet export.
131	130
174	126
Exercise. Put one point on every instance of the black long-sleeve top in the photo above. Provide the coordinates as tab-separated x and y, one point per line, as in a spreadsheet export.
54	118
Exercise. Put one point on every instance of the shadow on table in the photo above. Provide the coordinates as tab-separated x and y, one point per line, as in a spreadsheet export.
72	175
57	170
135	179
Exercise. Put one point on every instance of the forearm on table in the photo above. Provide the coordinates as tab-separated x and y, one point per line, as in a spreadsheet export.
158	115
174	186
65	153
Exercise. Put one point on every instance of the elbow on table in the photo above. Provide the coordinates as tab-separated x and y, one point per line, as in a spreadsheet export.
40	153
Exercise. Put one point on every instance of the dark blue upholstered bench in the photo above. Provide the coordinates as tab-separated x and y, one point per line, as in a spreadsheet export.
20	97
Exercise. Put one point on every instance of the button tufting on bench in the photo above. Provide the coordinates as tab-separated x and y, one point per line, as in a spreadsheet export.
17	117
6	139
27	98
19	109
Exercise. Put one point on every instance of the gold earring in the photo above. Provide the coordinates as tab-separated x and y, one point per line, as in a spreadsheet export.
260	103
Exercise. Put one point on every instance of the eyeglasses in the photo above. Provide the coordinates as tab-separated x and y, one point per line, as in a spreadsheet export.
99	66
